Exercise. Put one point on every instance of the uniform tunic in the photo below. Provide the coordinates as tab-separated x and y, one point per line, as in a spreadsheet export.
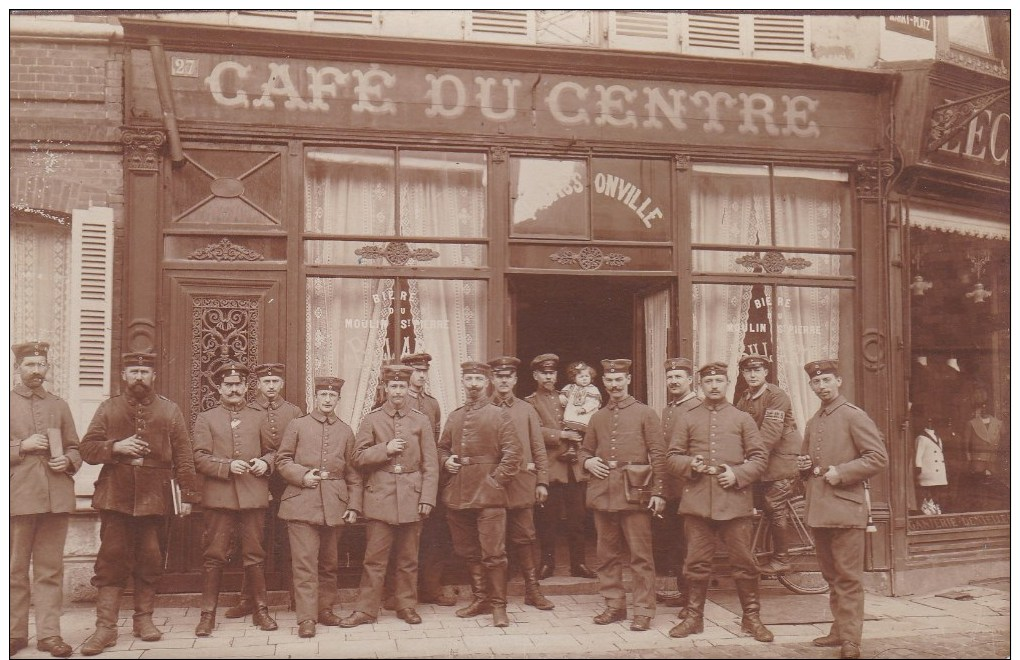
721	435
566	485
772	411
534	470
483	438
624	433
668	531
843	436
314	515
223	435
394	488
134	499
279	414
40	503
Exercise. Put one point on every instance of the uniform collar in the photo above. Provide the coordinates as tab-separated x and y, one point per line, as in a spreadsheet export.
836	403
622	404
712	405
262	401
687	397
324	419
475	405
506	403
234	409
28	392
392	410
757	393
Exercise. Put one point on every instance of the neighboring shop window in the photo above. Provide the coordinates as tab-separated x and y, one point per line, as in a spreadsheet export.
354	324
756	230
959	318
600	199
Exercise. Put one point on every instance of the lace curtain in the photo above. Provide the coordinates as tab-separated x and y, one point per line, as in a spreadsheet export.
657	315
805	320
41	294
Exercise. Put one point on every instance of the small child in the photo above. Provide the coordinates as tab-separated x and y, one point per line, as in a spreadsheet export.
580	400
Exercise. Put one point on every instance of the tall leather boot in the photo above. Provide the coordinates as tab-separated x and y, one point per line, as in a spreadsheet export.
532	591
747	591
257	579
497	595
210	596
783	536
694	621
479	601
145	602
245	606
107	611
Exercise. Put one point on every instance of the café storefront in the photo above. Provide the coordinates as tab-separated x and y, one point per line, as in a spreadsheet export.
330	202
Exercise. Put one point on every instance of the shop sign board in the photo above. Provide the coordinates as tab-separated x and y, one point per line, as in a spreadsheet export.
980	144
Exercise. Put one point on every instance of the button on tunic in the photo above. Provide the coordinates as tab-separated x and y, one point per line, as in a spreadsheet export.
521	490
223	435
480	430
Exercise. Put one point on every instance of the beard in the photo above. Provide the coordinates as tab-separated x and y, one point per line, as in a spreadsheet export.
139	390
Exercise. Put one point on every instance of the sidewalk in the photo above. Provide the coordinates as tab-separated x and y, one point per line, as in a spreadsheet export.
927	626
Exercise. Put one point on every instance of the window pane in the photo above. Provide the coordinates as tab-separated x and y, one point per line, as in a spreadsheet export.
970	32
813	208
549	198
350	191
631	199
442	194
730	205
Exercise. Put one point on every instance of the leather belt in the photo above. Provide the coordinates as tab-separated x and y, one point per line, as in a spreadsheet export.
478	460
326	475
618	464
817	471
145	462
399	469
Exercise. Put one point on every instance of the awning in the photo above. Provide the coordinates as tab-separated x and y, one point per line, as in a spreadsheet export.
953	223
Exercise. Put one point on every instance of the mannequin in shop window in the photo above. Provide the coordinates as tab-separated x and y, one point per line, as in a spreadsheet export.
981	438
929	464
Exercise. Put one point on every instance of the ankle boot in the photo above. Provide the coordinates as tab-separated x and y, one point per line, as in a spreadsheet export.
532	591
676	598
479	601
497	595
747	592
783	536
142	626
257	579
245	606
694	621
210	598
107	611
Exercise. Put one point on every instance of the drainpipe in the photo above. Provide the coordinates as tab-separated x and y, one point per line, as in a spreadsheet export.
166	99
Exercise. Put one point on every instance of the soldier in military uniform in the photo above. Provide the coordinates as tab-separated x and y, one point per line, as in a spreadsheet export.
772	411
235	456
481	451
680	399
436	562
718	451
279	413
324	491
624	451
842	448
397	455
531	484
141	440
44	456
565	505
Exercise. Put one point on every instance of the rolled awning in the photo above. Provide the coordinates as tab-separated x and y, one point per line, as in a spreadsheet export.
953	223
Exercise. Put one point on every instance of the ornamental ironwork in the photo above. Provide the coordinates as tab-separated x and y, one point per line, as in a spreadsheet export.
225	251
949	119
772	261
222	330
589	258
397	253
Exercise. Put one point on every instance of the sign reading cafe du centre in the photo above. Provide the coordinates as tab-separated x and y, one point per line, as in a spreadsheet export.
283	91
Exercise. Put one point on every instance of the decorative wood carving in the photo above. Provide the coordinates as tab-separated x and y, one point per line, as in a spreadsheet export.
142	148
772	261
498	154
225	250
589	258
222	330
873	349
681	162
397	253
870	176
949	119
957	521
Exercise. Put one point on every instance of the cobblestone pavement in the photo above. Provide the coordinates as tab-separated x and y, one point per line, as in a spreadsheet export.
975	623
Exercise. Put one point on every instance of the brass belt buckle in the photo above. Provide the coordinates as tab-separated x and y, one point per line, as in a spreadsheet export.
613	464
324	474
817	471
397	469
713	470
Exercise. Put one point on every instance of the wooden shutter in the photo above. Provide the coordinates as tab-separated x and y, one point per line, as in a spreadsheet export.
498	25
90	326
780	34
360	21
719	34
656	31
560	27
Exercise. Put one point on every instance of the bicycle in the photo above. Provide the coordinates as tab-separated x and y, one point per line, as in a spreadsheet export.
804	576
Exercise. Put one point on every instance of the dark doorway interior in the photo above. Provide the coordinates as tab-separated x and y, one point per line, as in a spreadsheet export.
577	318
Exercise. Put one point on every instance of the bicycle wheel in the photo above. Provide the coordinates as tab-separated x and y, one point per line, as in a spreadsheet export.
805	576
